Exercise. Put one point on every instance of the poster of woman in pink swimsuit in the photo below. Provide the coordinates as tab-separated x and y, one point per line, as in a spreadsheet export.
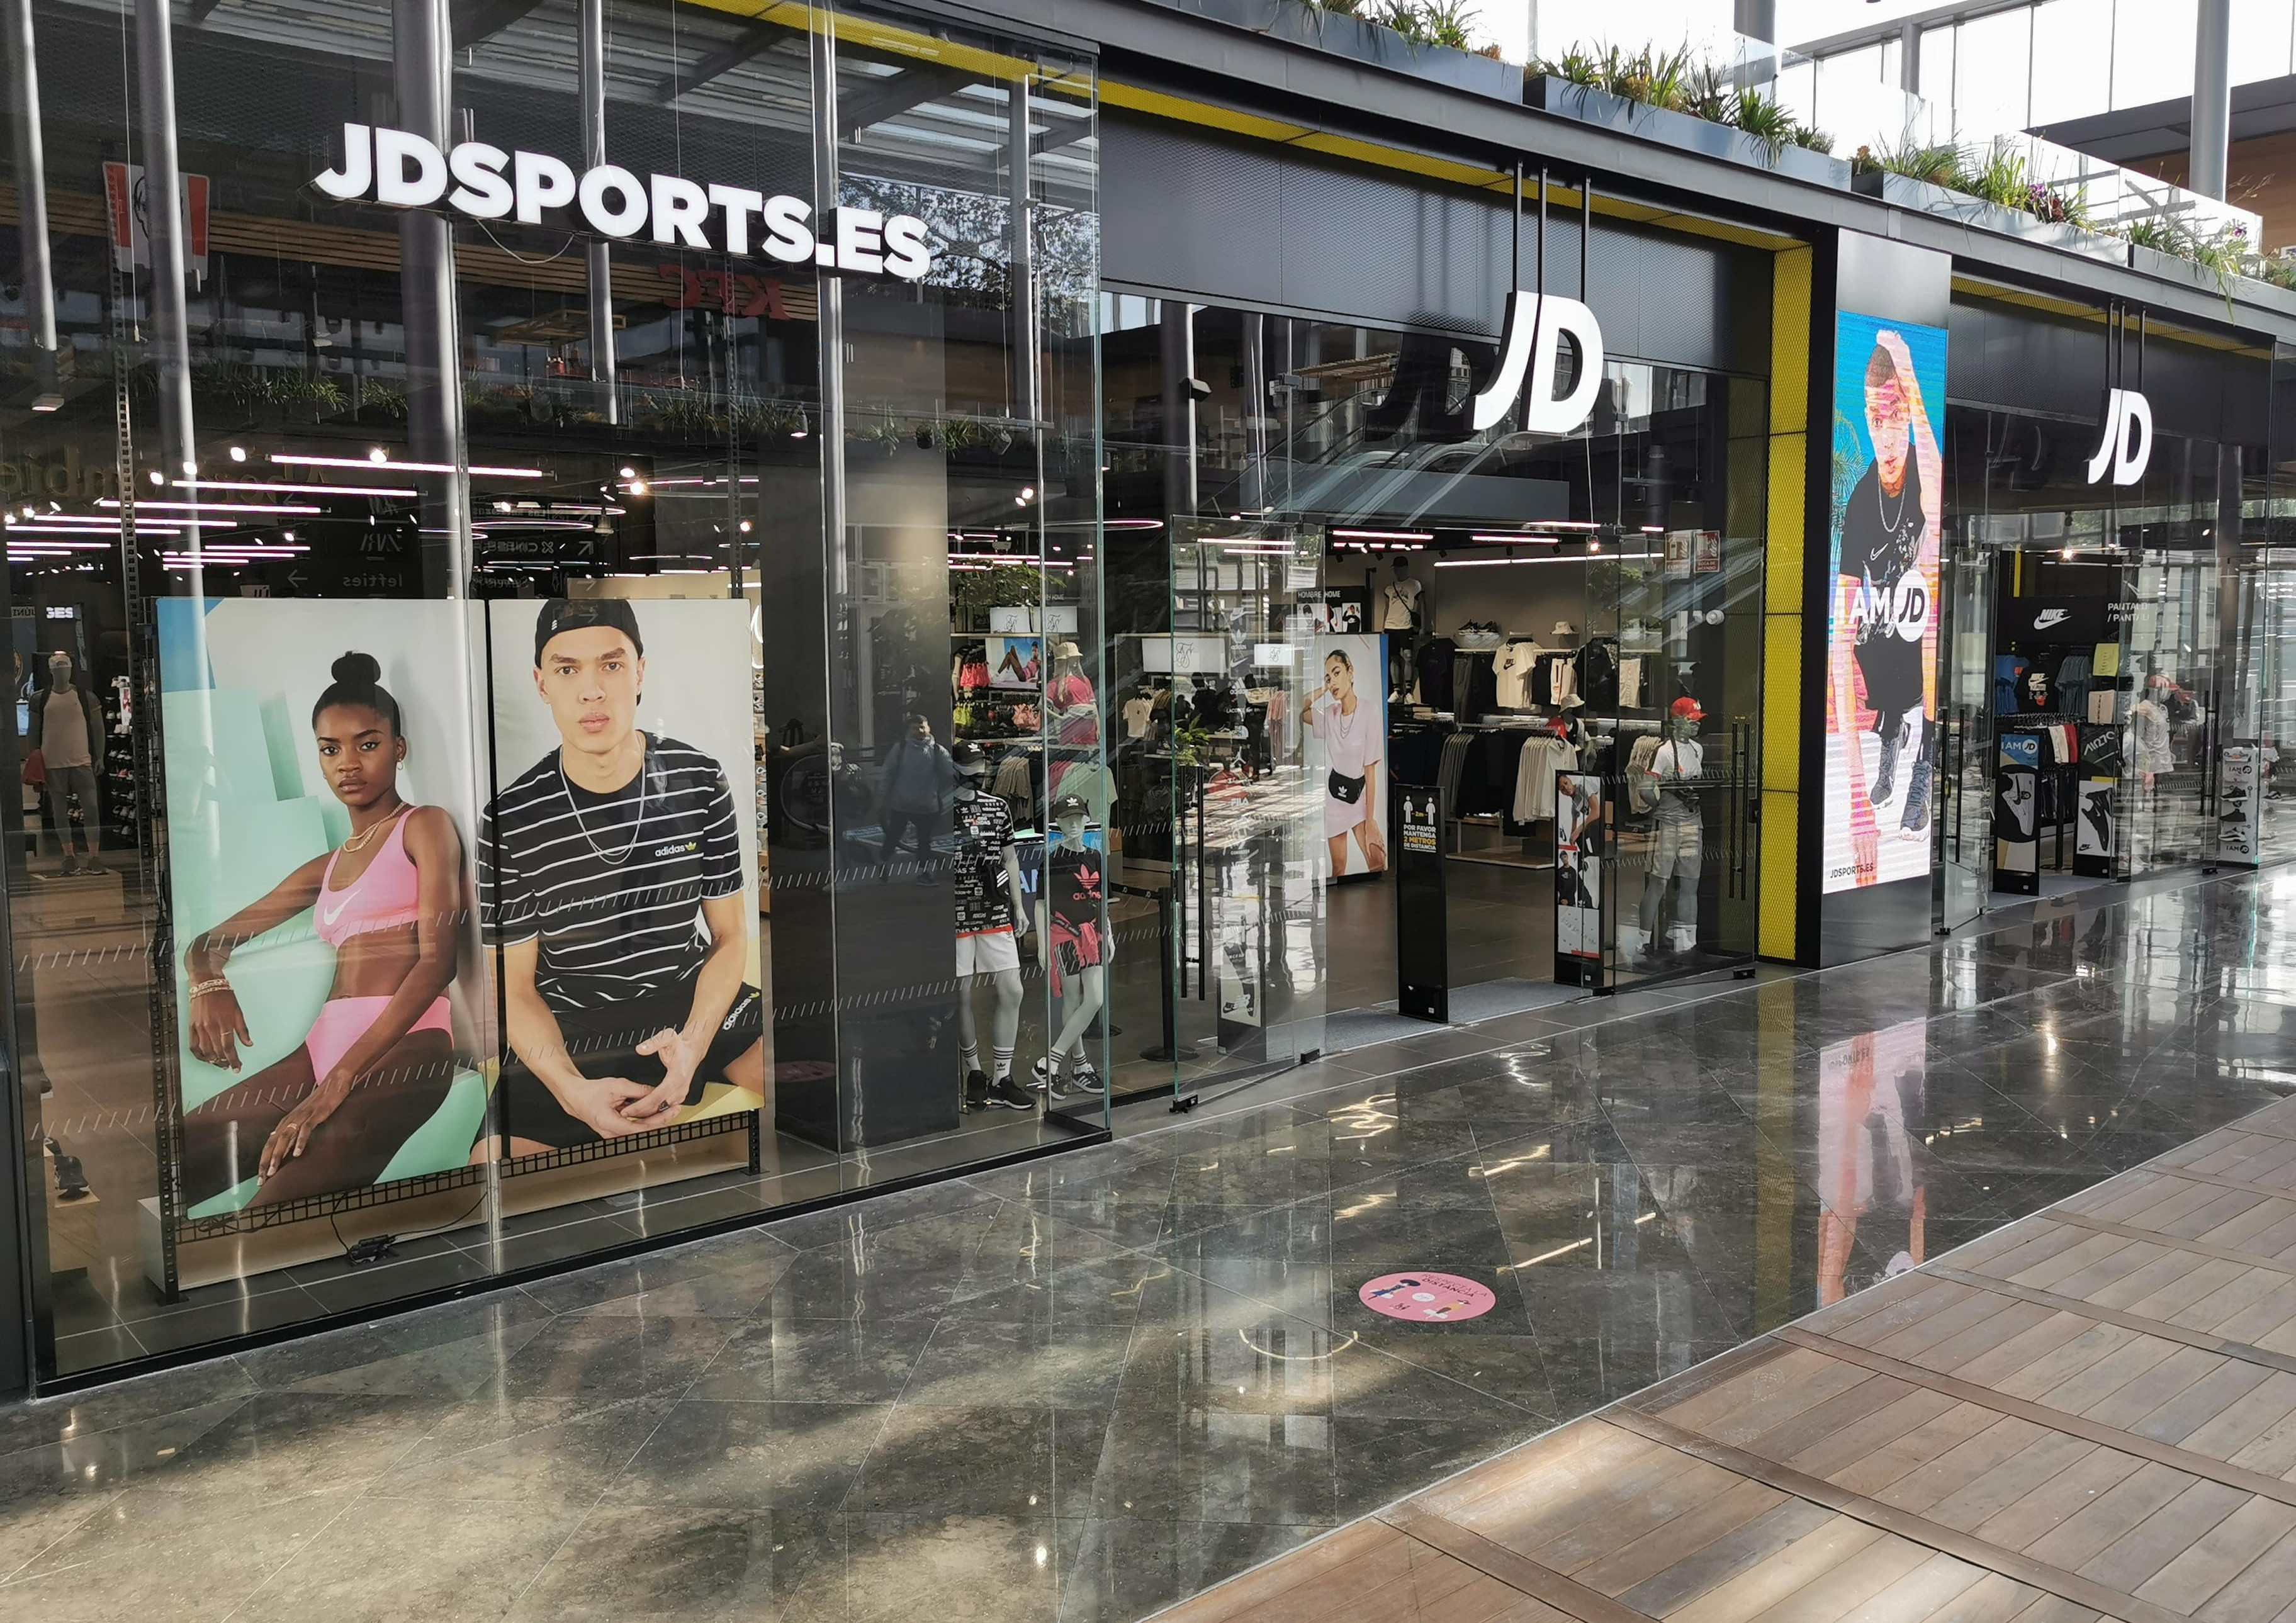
387	904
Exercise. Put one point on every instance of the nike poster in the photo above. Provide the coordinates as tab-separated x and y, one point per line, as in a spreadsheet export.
322	799
1888	501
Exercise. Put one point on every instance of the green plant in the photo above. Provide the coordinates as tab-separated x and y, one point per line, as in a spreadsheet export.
1766	121
1810	139
1002	586
1933	165
1995	174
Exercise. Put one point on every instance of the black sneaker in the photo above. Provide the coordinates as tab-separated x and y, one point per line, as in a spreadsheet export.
976	1090
1081	1082
1011	1095
72	865
1885	780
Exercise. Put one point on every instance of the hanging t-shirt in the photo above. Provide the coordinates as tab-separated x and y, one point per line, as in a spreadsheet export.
1513	666
1137	712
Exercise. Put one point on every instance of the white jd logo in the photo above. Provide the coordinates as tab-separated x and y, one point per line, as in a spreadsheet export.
1534	325
2127	437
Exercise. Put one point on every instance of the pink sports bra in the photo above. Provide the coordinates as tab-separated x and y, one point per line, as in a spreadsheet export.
386	896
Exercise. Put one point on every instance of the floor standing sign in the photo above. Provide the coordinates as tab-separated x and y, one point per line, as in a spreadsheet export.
2239	807
1579	851
2016	815
1422	907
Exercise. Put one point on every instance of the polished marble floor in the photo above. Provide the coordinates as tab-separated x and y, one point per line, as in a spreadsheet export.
1090	1387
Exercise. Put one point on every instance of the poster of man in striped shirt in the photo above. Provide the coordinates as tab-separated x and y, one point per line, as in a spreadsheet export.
612	890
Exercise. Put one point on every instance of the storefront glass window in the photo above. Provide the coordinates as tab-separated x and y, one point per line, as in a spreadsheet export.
557	602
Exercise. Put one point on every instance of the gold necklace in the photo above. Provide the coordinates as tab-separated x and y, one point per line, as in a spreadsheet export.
361	841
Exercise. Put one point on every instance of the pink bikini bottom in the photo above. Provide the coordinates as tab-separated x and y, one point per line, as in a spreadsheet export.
343	1021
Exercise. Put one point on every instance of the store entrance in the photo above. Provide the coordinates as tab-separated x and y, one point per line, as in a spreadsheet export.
1570	741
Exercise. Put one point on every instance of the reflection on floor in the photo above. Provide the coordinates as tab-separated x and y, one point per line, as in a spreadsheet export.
1092	1386
2085	1414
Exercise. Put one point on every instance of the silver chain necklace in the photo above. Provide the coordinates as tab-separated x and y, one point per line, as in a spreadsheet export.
1904	490
637	827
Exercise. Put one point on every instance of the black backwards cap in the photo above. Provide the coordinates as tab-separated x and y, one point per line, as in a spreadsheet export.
579	614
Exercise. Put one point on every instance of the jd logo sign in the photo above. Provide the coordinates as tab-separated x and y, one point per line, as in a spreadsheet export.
1534	325
486	182
2127	444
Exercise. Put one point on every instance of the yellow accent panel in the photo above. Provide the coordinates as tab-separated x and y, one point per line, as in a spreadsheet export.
1782	697
1397	157
1187	111
1183	109
1789	306
1781	825
2001	293
1782	578
883	37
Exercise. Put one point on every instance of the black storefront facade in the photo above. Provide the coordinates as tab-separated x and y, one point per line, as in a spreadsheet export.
1063	388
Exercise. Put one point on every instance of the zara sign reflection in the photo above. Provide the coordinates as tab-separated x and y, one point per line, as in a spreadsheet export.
408	171
2127	444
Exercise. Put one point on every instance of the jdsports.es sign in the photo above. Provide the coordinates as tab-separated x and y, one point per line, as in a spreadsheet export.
403	170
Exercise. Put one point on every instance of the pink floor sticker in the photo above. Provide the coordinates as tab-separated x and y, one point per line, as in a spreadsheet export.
1443	1297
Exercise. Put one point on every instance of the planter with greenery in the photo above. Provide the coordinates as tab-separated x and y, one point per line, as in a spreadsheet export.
1431	39
1672	96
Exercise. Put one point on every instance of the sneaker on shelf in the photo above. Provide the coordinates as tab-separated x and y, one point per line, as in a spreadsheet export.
976	1090
72	865
1011	1095
93	866
1081	1082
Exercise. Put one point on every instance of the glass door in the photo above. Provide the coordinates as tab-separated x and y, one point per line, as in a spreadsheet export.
1249	656
1963	872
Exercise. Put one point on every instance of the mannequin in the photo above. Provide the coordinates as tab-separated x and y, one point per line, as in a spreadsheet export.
988	899
1677	848
68	730
1400	616
1072	922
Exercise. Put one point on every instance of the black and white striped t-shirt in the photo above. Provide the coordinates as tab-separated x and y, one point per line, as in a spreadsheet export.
552	866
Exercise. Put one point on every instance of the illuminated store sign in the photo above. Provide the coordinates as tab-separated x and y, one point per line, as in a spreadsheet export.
1534	325
2127	444
407	171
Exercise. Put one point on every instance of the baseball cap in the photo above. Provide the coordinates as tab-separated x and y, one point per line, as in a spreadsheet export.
1070	806
579	614
969	758
1686	708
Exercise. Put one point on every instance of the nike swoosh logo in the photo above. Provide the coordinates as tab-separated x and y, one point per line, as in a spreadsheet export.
2048	618
328	915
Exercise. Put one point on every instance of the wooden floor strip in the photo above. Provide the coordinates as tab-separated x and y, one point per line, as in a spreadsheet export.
2198	1247
2270	1192
2130	1321
1951	1541
2075	1425
1541	1583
